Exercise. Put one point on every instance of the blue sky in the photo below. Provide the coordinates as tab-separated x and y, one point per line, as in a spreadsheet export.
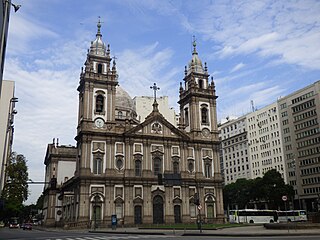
255	50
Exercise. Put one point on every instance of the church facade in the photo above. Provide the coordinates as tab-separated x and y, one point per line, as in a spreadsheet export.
148	171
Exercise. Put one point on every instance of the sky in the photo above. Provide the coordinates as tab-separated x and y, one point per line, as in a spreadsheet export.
255	50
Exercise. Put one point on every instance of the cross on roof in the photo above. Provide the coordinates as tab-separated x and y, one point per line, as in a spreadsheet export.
155	88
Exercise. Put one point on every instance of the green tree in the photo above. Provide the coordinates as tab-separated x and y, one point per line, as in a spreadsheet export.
15	191
244	192
274	188
39	203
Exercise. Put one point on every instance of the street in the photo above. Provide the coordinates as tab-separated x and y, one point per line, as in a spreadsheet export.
19	234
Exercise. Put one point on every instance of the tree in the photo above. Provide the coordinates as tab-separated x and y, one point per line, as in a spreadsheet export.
15	191
274	188
244	192
39	203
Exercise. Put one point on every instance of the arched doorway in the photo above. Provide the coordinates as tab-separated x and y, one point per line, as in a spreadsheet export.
177	214
137	214
210	209
158	210
96	216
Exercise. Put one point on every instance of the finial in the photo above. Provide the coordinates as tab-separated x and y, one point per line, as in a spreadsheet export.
114	59
155	88
185	70
114	63
194	43
99	26
205	67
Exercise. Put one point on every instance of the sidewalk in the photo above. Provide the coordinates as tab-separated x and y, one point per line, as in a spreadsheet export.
234	231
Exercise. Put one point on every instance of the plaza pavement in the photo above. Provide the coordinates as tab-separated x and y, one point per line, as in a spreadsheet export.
255	230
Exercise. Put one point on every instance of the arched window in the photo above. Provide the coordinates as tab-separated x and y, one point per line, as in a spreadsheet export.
157	168
200	83
99	68
192	209
186	116
210	207
97	166
119	163
138	168
191	166
99	103
176	167
119	210
208	170
204	115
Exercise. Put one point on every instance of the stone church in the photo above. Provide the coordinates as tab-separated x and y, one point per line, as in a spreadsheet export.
147	172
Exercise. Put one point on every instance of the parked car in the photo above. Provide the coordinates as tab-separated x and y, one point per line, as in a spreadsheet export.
27	226
14	225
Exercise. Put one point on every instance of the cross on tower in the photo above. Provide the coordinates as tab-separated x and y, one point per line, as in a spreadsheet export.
155	89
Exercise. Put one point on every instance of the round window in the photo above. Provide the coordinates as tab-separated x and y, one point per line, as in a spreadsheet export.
119	163
191	166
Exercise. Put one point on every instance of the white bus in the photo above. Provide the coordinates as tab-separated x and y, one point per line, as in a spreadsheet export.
252	216
292	216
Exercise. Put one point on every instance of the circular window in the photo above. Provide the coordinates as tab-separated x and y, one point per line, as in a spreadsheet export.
191	166
119	163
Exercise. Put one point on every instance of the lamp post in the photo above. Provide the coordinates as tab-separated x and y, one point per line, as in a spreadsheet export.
8	139
6	13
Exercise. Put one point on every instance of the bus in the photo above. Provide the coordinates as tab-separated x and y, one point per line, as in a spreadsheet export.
252	216
292	216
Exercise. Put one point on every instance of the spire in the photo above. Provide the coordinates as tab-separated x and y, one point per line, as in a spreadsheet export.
155	88
99	26
97	46
194	43
195	65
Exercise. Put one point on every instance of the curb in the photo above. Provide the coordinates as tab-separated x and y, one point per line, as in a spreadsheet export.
129	232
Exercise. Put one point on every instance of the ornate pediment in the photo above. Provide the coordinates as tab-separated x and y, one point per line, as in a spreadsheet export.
138	200
157	125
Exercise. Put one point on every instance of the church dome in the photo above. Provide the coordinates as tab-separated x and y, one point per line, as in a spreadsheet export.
195	65
123	99
98	47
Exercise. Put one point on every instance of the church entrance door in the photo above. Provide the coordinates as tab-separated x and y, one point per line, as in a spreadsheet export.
177	214
137	215
158	210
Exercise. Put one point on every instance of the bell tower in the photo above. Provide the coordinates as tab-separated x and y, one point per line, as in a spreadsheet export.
197	99
97	93
97	86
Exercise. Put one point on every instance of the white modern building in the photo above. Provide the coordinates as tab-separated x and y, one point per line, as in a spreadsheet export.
300	118
235	157
265	141
143	105
7	112
252	145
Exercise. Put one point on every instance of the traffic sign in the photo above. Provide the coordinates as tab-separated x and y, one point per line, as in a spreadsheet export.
284	198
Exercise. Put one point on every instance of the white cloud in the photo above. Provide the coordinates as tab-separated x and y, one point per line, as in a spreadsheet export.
140	68
237	67
288	31
23	30
261	93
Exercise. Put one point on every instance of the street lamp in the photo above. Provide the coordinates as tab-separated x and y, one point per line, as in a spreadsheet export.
4	33
7	149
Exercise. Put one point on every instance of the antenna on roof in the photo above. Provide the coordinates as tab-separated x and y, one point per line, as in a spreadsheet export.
252	105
